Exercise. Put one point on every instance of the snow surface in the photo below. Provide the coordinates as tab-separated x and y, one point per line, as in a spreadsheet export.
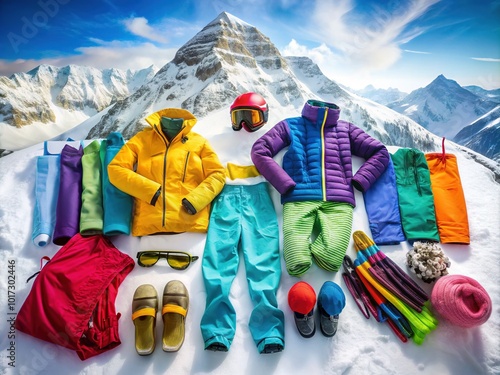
360	346
18	138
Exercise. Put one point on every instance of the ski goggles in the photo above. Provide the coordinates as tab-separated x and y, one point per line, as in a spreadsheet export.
178	260
252	119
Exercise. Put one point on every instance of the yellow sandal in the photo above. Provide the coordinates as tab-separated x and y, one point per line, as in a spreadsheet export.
144	309
174	311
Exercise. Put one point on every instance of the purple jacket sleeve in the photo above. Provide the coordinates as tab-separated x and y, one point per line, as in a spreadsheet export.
263	151
375	153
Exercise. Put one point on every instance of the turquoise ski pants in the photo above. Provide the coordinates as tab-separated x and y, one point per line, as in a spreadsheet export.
243	221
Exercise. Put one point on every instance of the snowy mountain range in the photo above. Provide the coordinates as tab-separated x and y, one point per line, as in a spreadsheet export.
443	107
382	96
48	95
227	57
493	95
483	135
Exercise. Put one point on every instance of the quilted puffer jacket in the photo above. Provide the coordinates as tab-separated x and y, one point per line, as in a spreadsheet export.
318	162
161	174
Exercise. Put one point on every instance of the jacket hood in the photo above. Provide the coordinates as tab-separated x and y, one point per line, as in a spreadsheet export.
314	111
189	119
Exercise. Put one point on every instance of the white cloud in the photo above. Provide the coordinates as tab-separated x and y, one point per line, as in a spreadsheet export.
139	26
340	69
487	59
114	54
418	52
319	55
355	52
374	44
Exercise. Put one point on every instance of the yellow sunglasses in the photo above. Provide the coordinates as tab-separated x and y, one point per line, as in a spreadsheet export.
178	260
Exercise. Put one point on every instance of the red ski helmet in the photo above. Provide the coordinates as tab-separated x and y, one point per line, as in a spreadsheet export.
250	111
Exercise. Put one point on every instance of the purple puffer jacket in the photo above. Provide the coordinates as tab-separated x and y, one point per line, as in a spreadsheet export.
318	163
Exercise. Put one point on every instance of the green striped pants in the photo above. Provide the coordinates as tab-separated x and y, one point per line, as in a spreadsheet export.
332	220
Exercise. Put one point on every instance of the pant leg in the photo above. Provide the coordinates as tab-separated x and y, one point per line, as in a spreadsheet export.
330	246
382	209
260	247
117	204
298	222
46	189
91	215
449	200
69	200
219	268
416	201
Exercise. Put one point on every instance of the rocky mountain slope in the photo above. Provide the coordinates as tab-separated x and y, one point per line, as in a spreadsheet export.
38	95
483	135
443	107
229	57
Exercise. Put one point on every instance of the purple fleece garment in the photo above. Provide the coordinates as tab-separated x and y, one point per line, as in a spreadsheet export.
69	200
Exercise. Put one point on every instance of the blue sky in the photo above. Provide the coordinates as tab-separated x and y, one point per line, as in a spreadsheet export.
387	43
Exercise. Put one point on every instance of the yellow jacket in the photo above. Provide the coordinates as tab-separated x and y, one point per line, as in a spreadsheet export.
187	167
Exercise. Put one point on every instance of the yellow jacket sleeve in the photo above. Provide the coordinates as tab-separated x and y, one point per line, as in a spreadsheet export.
122	175
215	179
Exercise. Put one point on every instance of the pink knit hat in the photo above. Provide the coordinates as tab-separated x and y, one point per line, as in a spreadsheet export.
461	300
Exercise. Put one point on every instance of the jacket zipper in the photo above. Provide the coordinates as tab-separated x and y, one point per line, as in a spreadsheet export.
164	184
410	163
185	166
164	209
323	177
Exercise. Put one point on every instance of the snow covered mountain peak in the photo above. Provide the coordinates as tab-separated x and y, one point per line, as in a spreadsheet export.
230	41
229	57
441	80
229	19
226	58
43	94
443	106
483	135
449	90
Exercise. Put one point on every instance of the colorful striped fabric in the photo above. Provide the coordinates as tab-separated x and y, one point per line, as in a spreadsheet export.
421	320
331	221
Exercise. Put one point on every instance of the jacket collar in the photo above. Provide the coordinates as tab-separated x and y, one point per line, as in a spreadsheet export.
189	119
314	111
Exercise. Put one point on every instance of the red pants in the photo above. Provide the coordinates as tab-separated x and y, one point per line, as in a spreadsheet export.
72	301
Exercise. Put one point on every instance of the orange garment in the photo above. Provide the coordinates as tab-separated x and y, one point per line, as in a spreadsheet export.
449	199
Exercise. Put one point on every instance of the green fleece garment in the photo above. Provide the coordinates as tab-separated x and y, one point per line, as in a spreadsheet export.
91	214
416	200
